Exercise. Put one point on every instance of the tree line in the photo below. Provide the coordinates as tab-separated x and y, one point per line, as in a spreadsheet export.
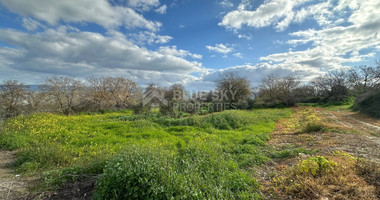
67	95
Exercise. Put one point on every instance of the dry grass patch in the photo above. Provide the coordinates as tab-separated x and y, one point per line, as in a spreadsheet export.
332	177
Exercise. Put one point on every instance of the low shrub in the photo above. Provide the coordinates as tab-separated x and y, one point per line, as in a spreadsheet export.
195	172
316	166
370	105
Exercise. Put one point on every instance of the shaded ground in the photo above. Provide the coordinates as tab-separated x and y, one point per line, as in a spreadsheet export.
81	190
14	186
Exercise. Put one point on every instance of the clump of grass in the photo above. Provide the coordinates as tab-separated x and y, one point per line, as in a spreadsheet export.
332	177
305	120
316	166
195	172
310	122
289	151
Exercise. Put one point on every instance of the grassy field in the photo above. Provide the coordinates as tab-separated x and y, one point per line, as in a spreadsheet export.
193	157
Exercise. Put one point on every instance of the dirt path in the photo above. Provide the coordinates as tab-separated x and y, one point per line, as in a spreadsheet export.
362	136
344	131
12	186
354	133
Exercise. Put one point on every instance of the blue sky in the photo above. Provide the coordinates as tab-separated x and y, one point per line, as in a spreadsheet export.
185	41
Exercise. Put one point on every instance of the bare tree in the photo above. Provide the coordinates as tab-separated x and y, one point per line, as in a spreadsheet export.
332	85
110	92
64	91
35	101
232	87
12	94
362	78
275	90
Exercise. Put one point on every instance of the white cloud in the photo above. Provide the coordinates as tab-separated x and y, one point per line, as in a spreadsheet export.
248	37
88	11
30	24
245	5
279	13
226	3
220	48
239	55
323	13
172	50
146	37
143	5
161	9
80	53
334	46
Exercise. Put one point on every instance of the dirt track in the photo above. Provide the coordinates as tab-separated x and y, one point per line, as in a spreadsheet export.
12	186
363	134
354	133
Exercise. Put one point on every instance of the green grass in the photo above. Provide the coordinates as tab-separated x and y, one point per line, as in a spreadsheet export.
59	146
331	107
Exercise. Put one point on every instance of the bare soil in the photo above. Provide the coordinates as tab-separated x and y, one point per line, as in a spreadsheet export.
12	186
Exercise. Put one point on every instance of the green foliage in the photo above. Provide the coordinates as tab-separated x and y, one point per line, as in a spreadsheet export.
310	122
370	105
142	109
316	166
195	172
345	104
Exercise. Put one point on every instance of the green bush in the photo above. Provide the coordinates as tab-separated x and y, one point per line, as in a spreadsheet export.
142	109
370	105
316	166
195	172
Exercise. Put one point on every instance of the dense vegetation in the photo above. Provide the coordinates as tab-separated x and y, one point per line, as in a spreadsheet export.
198	154
370	105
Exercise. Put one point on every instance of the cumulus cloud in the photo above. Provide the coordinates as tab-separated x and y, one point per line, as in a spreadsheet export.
161	9
333	46
77	53
279	13
348	29
84	11
143	5
146	37
172	50
220	48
